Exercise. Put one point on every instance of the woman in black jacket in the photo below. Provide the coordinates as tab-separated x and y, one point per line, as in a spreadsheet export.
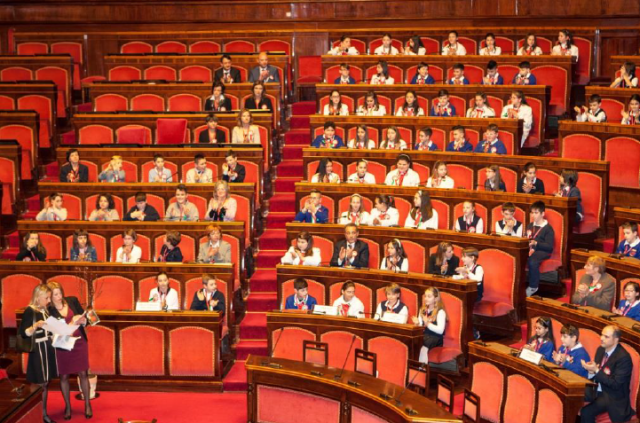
259	99
32	249
218	102
170	252
444	262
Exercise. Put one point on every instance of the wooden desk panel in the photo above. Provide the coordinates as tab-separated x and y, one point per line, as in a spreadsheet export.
25	406
296	377
569	387
623	95
166	323
49	90
11	150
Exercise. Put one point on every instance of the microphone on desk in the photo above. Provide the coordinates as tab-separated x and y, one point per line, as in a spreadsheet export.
273	351
548	369
397	399
339	375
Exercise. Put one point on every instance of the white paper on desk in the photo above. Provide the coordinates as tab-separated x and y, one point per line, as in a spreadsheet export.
59	326
64	342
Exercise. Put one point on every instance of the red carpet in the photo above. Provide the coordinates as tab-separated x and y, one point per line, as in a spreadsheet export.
166	407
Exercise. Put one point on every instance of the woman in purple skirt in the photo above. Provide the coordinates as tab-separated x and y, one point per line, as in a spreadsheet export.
75	361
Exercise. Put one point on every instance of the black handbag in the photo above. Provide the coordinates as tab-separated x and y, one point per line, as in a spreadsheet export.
26	345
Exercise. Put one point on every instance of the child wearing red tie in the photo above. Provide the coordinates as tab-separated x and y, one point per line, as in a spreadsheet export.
524	75
530	47
630	246
422	76
458	75
469	222
356	213
433	317
329	139
564	46
519	109
348	304
542	239
344	48
452	47
630	305
491	144
424	141
300	300
384	214
492	77
410	107
459	143
632	116
443	108
480	107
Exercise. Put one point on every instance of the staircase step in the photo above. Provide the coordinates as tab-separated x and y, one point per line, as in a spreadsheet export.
246	347
299	122
279	220
236	379
254	326
283	202
298	137
269	258
262	301
291	168
292	152
273	239
303	108
264	280
287	184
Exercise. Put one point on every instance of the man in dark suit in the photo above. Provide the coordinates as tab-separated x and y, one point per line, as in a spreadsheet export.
611	370
264	71
351	252
226	74
232	171
73	170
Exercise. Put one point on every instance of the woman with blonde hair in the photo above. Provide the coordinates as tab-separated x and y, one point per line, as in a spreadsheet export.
113	172
222	207
245	132
433	317
356	213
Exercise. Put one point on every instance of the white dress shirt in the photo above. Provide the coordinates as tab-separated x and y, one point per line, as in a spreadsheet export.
363	111
367	179
381	80
344	110
429	224
134	257
361	218
558	51
458	51
411	179
383	51
351	51
356	308
388	218
446	183
171	298
497	51
291	257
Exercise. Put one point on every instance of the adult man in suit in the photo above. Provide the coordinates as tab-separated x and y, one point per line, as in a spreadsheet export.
611	370
226	74
232	171
73	170
351	252
264	71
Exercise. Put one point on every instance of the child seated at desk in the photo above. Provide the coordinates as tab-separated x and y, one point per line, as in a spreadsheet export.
303	253
393	304
630	305
627	78
571	353
395	259
594	113
469	222
300	299
630	246
208	298
509	225
348	304
542	341
470	269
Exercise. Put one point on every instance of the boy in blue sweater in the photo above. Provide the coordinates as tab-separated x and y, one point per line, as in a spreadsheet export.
571	353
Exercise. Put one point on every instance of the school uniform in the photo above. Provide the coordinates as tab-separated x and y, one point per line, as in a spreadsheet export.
528	79
467	147
495	147
383	307
293	303
189	213
240	171
150	214
321	142
445	183
497	51
600	295
563	50
321	216
378	110
203	305
629	250
329	110
481	112
502	228
388	218
332	178
361	259
220	104
361	145
476	273
528	51
456	50
538	187
165	174
490	186
419	80
336	51
401	266
633	119
448	110
496	79
79	175
435	269
312	259
523	113
409	179
386	51
599	116
545	237
382	80
433	333
410	112
357	219
473	225
458	81
396	145
630	310
344	81
416	221
544	347
170	298
430	146
170	256
368	178
134	256
574	192
573	361
353	308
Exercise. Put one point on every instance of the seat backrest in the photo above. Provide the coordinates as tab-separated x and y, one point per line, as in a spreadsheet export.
205	47
9	177
363	293
455	317
289	342
374	253
378	170
315	352
521	400
462	175
195	73
16	73
239	46
160	72
557	222
7	103
444	394
171	47
366	362
556	77
130	171
133	134
374	44
392	355
416	255
333	72
581	146
73	204
32	48
124	73
136	47
113	293
551	180
27	140
310	66
147	166
469	44
508	72
404	207
185	103
147	102
110	103
624	155
506	45
499	276
613	108
16	292
53	244
583	67
275	46
591	188
171	131
187	247
487	381
590	340
550	407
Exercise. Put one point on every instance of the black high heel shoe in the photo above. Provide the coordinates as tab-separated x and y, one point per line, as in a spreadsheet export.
88	414
67	414
47	419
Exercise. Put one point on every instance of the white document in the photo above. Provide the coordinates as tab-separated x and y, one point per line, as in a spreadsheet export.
326	310
64	342
148	306
59	326
531	356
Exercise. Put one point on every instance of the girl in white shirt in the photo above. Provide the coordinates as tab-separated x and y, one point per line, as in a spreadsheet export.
481	107
471	270
335	107
565	46
386	48
53	210
325	173
632	116
490	49
393	141
415	47
164	294
395	259
384	214
382	77
371	106
627	78
129	252
519	109
361	141
344	48
303	253
433	317
440	177
392	305
348	304
422	215
356	213
452	47
530	46
410	107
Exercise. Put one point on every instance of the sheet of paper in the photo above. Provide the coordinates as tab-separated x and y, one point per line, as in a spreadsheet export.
59	327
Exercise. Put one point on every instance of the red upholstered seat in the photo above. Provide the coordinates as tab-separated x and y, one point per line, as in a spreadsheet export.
556	77
165	73
359	45
73	285
408	297
435	71
16	293
53	244
90	205
99	242
274	405
521	399
551	180
102	350
431	45
560	243
143	242
373	45
462	175
581	147
7	103
315	352
171	47
488	382
195	73
333	72
74	49
116	293
339	342
550	407
185	103
147	284
374	253
377	169
312	169
133	134
613	109
533	139
470	44
242	215
499	282
60	77
27	140
509	177
591	188
290	342
481	211
404	207
363	293
624	155
275	46
474	74
205	47
452	345
239	46
416	255
171	131
16	73
124	73
406	134
442	209
508	72
392	357
192	352
316	290
32	48
147	166
136	47
187	246
496	215
9	179
252	175
43	106
545	44
147	102
506	44
110	103
320	130
95	135
309	70
130	171
142	351
590	340
583	67
73	204
327	202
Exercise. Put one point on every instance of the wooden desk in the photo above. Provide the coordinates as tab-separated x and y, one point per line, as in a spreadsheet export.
622	269
26	407
169	89
158	351
620	216
568	386
507	66
499	96
331	393
29	147
12	202
451	197
509	128
194	121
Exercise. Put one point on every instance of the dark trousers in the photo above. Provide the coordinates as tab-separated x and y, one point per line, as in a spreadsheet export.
534	267
589	412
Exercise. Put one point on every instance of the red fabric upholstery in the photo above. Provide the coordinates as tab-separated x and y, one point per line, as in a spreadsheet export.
452	347
358	415
124	73
143	242
560	243
591	187
533	139
73	204
171	131
75	51
508	72
375	168
422	171
275	46
290	342
509	177
443	213
131	175
480	211
556	77
95	134
60	77
624	155
147	102
405	133
171	47
147	166
326	201
205	47
16	293
551	180
185	103
581	146
363	293
613	109
133	134
431	45
312	168
7	103
102	350
73	285
187	246
416	255
339	342
487	382
374	252
590	340
333	72
192	352
110	103
27	140
316	290
113	293
550	407
53	244
462	175
136	47
98	241
392	359
160	72
470	44
33	48
474	74
521	399
309	69
499	283
16	73
239	46
315	352
496	215
275	405
408	297
43	106
497	105
9	180
141	351
242	215
403	207
195	73
583	67
373	45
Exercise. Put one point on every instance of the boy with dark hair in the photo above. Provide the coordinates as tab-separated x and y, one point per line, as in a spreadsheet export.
542	239
300	299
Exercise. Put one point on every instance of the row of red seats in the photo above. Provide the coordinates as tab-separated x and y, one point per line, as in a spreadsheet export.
56	74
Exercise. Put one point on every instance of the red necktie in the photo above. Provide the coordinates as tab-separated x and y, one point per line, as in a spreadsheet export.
354	217
401	177
345	310
479	112
420	80
604	360
418	218
486	146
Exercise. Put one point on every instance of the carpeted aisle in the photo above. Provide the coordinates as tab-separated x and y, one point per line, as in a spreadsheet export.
166	407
